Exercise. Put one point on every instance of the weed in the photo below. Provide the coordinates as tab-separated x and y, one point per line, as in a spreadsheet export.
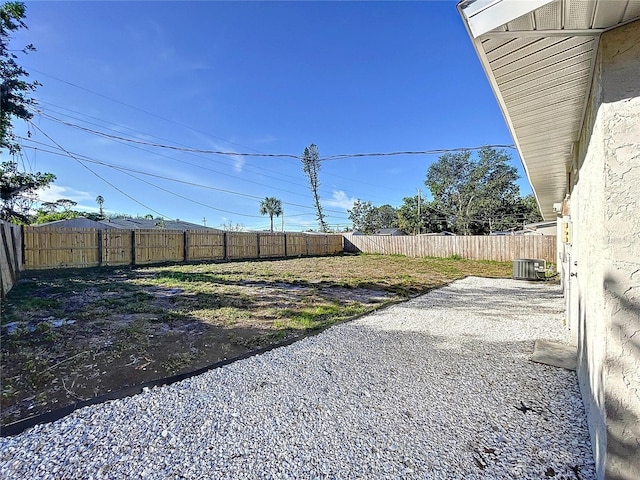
179	361
40	304
41	399
173	316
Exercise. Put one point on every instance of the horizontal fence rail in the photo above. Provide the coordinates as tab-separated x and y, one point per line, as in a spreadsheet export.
501	248
46	247
10	256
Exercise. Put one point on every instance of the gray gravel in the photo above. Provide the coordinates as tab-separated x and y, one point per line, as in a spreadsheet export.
436	387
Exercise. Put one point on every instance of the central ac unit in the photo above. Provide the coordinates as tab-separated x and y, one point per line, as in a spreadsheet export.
529	269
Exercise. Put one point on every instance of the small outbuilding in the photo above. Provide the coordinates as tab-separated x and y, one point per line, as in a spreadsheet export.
390	232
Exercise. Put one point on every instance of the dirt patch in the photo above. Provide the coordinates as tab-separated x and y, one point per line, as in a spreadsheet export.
73	335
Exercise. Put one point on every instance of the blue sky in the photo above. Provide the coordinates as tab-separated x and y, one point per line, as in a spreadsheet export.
250	77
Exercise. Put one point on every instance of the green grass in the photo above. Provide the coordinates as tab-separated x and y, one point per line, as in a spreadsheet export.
40	304
320	316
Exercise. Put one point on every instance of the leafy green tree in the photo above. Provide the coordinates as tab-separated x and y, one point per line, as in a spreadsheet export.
271	206
359	215
48	207
386	216
14	88
311	168
368	219
18	191
528	207
473	194
44	216
66	204
425	219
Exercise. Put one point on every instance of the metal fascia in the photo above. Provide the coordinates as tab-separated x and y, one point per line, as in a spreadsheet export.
498	14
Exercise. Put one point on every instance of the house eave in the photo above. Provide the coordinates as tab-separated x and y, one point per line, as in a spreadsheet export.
539	57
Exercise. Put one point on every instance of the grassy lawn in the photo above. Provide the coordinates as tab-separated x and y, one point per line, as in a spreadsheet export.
69	335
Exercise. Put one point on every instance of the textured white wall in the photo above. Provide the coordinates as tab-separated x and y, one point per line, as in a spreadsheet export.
605	211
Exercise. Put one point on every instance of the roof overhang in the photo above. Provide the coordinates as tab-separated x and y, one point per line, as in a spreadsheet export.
539	57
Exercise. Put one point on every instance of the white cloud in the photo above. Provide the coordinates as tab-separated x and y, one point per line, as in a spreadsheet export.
238	162
56	192
341	200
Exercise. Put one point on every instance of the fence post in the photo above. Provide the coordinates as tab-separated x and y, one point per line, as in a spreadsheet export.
17	247
258	244
133	247
225	254
285	244
23	247
306	243
100	240
4	242
186	246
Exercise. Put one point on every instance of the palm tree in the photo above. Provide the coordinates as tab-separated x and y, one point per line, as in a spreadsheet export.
100	202
271	206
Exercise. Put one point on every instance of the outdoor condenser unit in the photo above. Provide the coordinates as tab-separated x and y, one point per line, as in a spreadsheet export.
529	269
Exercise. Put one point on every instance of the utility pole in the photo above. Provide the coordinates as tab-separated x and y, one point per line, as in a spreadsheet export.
204	221
283	221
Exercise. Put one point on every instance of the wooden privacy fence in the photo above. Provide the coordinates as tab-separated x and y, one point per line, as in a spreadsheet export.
87	247
502	248
10	256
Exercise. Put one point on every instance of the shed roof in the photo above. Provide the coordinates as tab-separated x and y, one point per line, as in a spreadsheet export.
125	224
390	231
78	222
539	57
144	223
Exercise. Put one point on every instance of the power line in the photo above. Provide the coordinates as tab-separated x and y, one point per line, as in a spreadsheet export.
197	165
97	175
173	147
412	152
193	184
186	198
134	108
277	155
255	169
248	166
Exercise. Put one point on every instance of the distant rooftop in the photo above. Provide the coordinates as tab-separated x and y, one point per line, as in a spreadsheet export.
126	224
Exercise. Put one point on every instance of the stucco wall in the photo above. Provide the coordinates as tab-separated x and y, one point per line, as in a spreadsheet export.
605	211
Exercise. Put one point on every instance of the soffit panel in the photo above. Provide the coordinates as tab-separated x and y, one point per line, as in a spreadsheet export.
533	48
607	14
632	11
508	46
556	60
494	43
547	84
540	55
549	104
578	15
549	17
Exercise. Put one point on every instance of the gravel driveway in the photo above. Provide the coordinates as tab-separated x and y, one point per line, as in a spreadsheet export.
437	387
